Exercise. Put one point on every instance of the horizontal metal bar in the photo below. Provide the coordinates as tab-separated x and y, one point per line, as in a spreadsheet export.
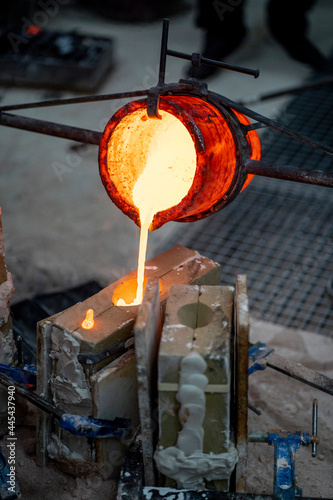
216	64
289	173
48	128
251	99
74	100
258	437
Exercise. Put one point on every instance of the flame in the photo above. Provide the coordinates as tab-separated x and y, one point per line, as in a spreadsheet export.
88	322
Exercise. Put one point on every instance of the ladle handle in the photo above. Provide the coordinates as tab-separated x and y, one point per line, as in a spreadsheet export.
164	50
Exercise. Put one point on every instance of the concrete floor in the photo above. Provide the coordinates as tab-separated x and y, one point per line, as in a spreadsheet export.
62	230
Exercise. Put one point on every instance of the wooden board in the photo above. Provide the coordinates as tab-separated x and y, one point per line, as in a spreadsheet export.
147	332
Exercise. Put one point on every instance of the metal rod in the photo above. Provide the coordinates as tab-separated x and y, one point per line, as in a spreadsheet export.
48	128
18	344
289	173
31	396
314	426
216	64
164	50
251	99
300	373
255	126
254	409
258	437
74	100
270	123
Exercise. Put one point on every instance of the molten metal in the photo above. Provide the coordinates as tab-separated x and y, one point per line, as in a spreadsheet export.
88	322
125	294
215	151
175	168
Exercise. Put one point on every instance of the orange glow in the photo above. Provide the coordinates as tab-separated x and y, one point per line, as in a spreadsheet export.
177	168
157	178
88	322
166	178
193	139
125	293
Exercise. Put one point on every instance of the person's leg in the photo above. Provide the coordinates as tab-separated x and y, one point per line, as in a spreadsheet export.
224	30
288	24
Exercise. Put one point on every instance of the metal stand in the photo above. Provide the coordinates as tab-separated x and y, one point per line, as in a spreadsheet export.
190	86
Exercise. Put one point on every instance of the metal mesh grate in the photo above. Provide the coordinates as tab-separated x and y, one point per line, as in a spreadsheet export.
280	233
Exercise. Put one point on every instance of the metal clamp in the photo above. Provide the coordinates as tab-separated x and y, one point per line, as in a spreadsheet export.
286	443
257	353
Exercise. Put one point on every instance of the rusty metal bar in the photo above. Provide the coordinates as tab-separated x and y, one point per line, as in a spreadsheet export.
48	128
216	64
178	87
74	100
289	173
300	373
164	51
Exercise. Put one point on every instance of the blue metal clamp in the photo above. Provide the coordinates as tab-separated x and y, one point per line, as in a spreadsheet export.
26	375
9	489
258	352
95	428
286	443
285	446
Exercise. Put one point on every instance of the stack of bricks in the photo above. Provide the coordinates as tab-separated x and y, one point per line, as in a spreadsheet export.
106	388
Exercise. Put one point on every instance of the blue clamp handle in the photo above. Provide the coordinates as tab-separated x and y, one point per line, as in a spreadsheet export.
256	367
92	427
26	375
257	352
285	446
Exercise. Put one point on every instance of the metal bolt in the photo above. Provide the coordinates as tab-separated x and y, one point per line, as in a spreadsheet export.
314	425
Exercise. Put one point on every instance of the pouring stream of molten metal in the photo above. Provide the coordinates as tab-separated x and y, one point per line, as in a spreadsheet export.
167	177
